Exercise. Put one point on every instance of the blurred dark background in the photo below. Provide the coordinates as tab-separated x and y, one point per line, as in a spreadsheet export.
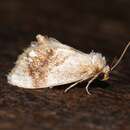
100	25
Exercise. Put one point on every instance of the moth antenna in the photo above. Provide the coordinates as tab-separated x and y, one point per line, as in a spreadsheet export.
122	55
114	61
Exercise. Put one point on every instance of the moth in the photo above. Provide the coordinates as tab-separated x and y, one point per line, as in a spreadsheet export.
49	63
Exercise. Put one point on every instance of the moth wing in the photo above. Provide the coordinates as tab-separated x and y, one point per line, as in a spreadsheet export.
67	66
53	64
55	43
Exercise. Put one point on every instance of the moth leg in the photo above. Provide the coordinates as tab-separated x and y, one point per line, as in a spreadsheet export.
89	82
71	86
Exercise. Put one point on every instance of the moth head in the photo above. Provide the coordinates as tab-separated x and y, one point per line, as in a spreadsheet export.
104	75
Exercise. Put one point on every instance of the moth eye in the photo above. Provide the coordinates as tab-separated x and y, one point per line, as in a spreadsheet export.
101	76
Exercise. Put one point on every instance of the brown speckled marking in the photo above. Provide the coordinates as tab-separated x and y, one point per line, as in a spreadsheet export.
57	60
38	69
